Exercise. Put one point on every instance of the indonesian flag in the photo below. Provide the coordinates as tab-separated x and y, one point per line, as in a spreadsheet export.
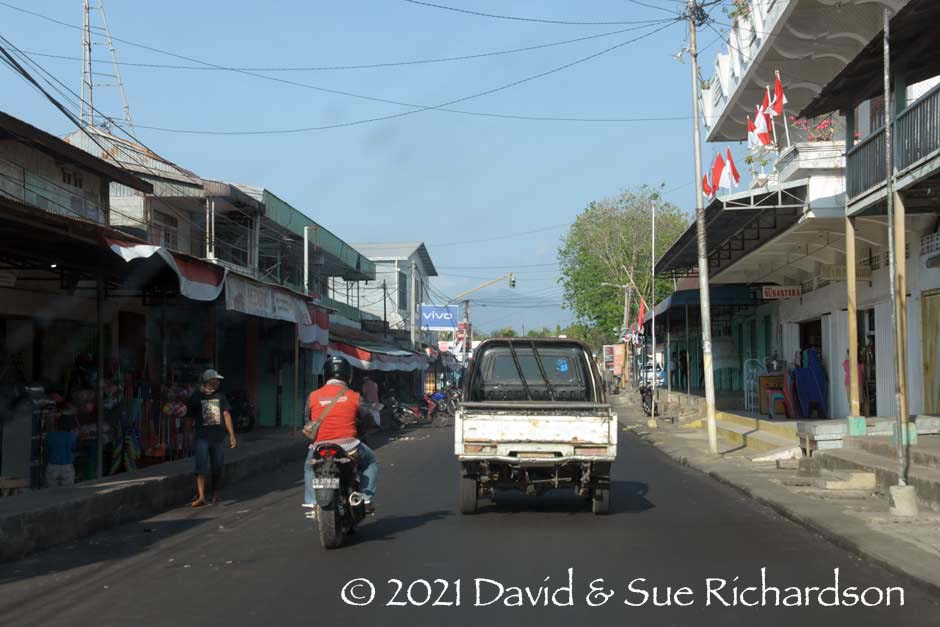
709	192
718	169
730	173
780	98
753	141
762	128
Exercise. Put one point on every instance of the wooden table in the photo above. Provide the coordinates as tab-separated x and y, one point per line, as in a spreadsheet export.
766	382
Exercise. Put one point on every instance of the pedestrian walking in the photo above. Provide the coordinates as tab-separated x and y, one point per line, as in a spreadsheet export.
212	415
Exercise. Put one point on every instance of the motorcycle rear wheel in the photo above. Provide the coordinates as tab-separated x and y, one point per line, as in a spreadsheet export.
331	528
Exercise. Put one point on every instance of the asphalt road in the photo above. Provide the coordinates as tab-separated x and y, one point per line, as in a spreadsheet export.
254	560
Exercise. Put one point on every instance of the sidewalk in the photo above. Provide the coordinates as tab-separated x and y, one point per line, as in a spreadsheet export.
854	519
43	518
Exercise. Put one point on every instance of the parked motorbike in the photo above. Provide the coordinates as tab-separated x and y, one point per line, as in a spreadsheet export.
416	414
647	396
340	505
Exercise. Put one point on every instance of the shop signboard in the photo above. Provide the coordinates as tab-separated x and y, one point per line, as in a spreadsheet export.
781	292
835	272
609	356
264	301
439	317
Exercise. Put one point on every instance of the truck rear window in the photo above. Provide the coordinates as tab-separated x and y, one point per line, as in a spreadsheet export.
534	373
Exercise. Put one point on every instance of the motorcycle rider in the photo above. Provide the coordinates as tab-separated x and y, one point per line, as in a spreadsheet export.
340	423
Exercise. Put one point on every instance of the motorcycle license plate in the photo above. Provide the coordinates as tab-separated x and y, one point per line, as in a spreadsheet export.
325	483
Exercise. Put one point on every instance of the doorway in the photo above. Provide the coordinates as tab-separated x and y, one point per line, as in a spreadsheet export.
930	323
811	335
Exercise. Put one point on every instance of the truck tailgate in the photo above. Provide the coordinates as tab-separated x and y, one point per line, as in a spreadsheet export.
502	428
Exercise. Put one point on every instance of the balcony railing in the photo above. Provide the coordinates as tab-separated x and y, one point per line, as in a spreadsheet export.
917	137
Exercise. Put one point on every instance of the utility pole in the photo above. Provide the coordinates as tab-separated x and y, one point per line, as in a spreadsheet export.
411	299
467	340
903	499
696	15
88	110
384	308
653	304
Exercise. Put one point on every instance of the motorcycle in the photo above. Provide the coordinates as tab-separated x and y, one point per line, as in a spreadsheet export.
647	396
415	414
340	505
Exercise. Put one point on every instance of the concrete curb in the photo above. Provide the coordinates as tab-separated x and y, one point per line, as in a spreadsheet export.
884	554
47	518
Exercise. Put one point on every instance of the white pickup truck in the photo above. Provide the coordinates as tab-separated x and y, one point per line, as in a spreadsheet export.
534	418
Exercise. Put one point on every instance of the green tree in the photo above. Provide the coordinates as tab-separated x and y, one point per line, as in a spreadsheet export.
610	242
504	332
543	332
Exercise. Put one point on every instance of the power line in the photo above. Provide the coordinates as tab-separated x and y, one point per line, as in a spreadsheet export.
501	237
440	107
506	265
366	66
417	108
521	19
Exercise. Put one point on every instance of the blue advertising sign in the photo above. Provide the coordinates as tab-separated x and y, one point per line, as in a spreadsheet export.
439	317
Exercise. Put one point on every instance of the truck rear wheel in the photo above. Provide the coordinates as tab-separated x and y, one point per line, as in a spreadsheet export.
469	495
600	501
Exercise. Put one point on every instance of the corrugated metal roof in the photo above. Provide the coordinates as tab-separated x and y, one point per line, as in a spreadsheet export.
39	139
289	217
378	251
129	155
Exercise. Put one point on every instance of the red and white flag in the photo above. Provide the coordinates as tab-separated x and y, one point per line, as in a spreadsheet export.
780	98
718	169
753	141
709	192
762	128
730	177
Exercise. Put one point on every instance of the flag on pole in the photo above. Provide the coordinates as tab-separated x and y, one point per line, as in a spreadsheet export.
762	128
780	98
753	140
779	104
731	172
718	169
642	313
768	111
709	192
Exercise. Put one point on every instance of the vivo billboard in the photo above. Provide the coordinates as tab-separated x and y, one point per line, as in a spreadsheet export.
439	317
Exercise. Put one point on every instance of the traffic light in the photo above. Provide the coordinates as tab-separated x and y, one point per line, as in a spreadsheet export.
512	281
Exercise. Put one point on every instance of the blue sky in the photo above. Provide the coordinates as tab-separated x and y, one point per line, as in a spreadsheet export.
445	178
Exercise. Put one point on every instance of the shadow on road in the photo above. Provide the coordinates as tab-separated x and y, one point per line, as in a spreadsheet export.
386	528
133	538
627	497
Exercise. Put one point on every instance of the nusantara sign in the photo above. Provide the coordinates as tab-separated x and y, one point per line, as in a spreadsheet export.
779	292
439	317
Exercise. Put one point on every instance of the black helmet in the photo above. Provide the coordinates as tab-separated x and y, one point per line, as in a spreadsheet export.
337	368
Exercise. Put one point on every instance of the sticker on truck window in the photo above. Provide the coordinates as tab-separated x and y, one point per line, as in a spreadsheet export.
561	365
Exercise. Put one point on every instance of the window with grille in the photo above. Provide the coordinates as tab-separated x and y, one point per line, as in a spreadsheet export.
165	230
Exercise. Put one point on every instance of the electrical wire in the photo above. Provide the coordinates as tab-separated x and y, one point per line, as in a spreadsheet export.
367	66
521	19
417	108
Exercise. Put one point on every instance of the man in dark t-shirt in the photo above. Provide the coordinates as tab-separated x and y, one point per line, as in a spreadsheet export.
212	418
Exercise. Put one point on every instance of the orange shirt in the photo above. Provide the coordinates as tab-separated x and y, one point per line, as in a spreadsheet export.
341	421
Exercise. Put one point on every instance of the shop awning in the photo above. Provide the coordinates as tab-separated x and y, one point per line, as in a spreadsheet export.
316	335
369	356
199	280
718	295
735	226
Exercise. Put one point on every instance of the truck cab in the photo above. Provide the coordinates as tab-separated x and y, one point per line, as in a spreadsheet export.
534	418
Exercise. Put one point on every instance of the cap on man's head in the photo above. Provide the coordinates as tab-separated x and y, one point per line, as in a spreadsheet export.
211	374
